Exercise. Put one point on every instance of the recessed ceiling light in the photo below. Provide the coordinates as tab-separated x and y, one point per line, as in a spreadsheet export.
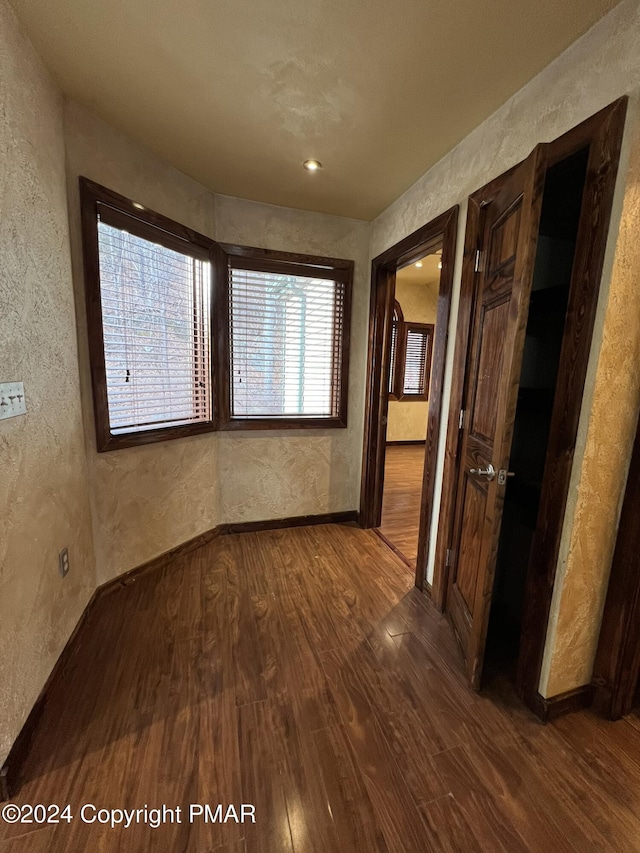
139	206
312	165
419	264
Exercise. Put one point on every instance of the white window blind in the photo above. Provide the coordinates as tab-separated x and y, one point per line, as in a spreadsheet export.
155	319
416	361
286	344
393	357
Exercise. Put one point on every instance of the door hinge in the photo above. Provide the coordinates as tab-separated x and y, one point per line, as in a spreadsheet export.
461	419
447	560
478	266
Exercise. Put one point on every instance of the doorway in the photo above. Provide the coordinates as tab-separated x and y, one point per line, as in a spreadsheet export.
417	287
534	250
544	332
410	306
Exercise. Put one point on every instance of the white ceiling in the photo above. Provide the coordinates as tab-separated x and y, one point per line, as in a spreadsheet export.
237	93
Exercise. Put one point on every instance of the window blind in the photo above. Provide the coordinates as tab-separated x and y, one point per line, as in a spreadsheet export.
417	358
155	320
393	356
285	344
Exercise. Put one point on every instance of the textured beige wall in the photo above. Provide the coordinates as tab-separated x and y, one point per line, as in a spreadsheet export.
279	474
44	500
600	67
407	419
147	499
585	559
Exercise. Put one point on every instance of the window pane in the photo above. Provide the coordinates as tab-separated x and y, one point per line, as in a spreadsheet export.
286	341
416	362
155	317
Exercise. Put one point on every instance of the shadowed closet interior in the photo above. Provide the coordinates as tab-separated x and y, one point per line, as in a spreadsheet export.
561	203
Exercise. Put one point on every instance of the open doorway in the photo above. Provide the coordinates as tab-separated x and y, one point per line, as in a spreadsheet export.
417	287
410	304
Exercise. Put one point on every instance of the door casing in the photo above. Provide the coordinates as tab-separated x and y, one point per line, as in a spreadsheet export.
441	231
602	133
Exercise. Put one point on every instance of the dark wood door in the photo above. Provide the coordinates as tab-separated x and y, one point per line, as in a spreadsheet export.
505	266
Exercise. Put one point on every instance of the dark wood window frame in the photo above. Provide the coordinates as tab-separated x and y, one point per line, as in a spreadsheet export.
265	260
395	355
400	329
426	329
160	229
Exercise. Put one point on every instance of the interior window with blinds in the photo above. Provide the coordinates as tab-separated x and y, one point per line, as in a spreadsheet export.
286	344
155	320
148	283
173	315
417	360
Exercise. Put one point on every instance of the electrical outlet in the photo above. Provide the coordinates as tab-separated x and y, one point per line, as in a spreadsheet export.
63	562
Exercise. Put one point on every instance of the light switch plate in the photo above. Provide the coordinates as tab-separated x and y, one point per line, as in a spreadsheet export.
12	400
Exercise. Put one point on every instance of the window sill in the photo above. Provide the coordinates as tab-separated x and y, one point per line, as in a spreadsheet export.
109	441
282	423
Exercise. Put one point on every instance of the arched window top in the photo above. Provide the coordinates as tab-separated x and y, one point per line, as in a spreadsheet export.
398	316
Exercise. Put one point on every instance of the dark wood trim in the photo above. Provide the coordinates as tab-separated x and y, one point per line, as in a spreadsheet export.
281	423
146	216
616	671
347	517
394	548
121	218
148	224
11	769
603	133
441	231
427	328
161	560
98	201
301	267
395	357
564	703
267	255
399	443
265	260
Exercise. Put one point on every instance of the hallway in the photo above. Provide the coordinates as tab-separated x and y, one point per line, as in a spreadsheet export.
298	670
402	493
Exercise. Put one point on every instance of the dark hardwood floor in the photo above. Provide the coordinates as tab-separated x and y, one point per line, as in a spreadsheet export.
300	671
401	496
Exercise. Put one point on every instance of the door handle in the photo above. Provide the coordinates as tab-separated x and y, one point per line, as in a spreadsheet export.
489	472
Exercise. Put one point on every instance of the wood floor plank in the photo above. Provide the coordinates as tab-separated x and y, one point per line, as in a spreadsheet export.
448	828
347	799
371	736
401	499
262	772
300	671
490	824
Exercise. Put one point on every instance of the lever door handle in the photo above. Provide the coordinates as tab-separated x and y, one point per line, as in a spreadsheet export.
489	472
